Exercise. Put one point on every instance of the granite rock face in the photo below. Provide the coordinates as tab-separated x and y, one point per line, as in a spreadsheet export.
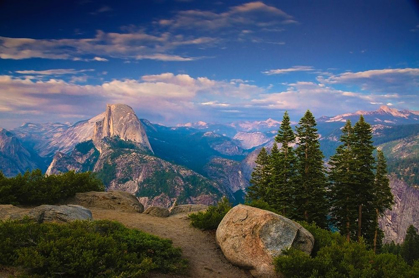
120	120
157	211
14	157
115	200
251	238
46	213
405	211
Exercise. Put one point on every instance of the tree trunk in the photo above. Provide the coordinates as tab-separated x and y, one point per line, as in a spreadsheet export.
376	233
359	222
348	233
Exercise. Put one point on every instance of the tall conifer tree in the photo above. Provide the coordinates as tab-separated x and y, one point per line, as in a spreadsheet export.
343	186
284	176
261	177
383	198
310	192
364	179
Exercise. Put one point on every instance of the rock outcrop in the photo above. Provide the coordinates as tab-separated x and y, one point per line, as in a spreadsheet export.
120	121
186	209
157	211
46	213
115	200
251	238
405	211
14	157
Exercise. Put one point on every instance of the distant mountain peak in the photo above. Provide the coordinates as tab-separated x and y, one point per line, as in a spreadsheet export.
120	120
384	114
199	124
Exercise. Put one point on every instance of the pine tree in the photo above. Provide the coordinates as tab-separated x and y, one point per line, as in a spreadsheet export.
364	179
342	184
410	246
310	192
260	177
383	198
285	173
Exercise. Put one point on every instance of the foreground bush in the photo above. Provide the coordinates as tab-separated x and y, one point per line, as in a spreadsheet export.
35	188
86	249
333	256
210	219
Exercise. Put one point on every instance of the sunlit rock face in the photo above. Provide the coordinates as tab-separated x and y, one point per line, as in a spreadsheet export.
14	157
120	120
405	211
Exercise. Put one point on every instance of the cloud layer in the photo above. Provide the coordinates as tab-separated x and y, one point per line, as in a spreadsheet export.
162	41
174	98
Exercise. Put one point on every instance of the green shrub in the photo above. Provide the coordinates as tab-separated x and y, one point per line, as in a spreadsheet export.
210	219
323	238
86	249
261	205
35	188
333	256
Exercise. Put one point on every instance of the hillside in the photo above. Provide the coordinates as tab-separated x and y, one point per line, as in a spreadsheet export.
205	258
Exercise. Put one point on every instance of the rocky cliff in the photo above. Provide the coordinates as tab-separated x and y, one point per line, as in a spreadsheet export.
50	138
405	211
122	165
120	121
14	157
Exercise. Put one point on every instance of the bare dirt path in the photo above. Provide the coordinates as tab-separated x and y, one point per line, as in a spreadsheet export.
205	258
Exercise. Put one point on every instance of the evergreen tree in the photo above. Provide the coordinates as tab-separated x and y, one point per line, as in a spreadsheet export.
383	198
284	173
364	179
310	192
410	246
342	184
276	196
260	177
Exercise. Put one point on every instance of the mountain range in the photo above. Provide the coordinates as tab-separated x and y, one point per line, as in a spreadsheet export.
190	163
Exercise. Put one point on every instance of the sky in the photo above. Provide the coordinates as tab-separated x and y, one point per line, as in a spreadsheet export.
178	61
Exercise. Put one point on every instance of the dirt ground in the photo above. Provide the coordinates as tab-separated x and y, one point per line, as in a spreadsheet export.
204	256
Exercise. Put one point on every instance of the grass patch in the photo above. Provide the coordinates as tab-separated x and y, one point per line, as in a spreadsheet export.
86	249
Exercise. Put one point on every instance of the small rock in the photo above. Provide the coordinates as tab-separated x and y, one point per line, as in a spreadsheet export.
157	211
189	208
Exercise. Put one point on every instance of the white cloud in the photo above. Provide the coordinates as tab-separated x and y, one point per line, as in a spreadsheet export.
247	22
242	15
100	59
400	81
136	44
52	71
102	9
165	57
165	97
287	70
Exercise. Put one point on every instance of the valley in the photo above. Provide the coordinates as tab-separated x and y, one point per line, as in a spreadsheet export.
192	163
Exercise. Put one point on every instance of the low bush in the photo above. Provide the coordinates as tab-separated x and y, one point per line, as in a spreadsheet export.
35	188
210	219
86	249
333	256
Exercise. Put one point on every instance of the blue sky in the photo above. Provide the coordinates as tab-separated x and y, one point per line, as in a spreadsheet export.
177	61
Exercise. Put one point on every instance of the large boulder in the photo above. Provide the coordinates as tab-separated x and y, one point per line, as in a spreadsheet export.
157	211
60	214
114	200
46	213
251	238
